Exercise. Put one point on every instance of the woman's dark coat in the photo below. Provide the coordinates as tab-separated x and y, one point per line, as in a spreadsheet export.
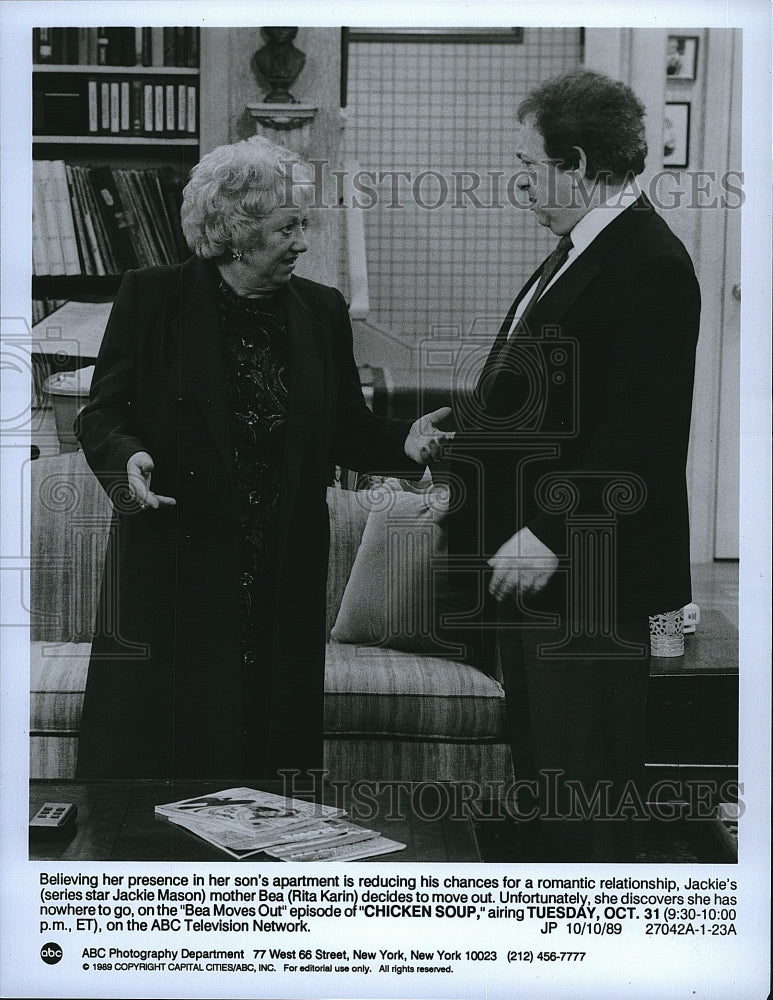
165	690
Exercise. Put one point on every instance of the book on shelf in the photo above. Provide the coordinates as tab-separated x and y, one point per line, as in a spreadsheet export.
60	104
83	206
40	263
87	263
117	46
116	219
44	199
42	48
65	221
99	220
242	822
102	44
95	227
115	105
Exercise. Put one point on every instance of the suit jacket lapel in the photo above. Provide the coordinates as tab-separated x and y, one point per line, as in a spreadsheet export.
558	299
501	338
488	371
196	329
560	296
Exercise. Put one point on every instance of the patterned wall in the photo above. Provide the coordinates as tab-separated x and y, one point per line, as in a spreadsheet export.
446	107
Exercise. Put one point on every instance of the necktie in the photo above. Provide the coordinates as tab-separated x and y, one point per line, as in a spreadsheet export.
550	268
553	263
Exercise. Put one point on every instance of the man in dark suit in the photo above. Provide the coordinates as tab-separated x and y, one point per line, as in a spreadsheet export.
569	467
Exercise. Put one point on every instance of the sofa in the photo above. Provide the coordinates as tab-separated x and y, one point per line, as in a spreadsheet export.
399	704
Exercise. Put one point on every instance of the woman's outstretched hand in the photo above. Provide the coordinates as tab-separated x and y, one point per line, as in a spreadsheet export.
425	439
139	469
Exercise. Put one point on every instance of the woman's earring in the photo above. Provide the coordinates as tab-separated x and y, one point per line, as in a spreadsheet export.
237	255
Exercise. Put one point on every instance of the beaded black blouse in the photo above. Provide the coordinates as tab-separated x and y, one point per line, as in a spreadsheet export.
254	339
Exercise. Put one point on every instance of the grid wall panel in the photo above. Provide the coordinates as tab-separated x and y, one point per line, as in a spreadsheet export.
446	108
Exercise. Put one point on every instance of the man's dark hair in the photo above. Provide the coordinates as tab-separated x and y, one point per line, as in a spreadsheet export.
600	115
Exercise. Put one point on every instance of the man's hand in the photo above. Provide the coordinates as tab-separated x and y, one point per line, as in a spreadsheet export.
425	438
139	469
523	565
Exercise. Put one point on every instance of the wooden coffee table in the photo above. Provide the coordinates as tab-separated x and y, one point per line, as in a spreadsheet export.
116	822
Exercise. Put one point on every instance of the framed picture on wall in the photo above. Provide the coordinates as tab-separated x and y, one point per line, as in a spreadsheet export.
682	57
676	134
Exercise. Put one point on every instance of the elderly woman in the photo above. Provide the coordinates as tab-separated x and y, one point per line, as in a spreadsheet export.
224	393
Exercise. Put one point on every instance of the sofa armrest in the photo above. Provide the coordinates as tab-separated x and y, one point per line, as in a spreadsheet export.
70	524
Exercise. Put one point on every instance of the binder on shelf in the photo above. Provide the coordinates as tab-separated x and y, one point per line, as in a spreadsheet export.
170	47
65	222
141	233
192	41
44	189
93	97
108	105
147	46
87	266
93	50
59	104
148	115
86	210
40	263
137	106
70	46
100	220
182	108
57	46
118	221
159	105
42	48
192	126
115	107
120	49
160	227
169	194
170	118
159	118
157	47
98	223
117	46
139	46
102	43
126	111
104	106
179	46
83	46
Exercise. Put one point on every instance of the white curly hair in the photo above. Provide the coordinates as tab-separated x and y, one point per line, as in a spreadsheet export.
233	188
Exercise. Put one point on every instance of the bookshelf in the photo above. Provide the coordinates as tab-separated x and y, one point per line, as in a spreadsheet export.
115	133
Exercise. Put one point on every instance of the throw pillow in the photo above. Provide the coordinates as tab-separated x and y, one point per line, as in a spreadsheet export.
397	588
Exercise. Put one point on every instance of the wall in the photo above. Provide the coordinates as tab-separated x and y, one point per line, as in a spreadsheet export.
690	200
439	260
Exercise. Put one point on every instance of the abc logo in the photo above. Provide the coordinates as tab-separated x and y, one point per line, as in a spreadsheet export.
51	953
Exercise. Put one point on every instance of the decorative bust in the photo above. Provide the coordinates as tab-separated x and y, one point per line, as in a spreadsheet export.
278	62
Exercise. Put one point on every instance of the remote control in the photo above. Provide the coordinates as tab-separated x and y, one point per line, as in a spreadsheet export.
54	817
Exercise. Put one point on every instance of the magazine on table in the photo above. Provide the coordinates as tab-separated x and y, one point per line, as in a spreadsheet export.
336	850
244	821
